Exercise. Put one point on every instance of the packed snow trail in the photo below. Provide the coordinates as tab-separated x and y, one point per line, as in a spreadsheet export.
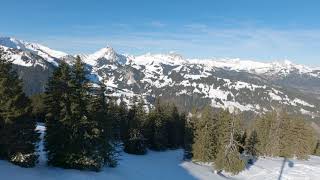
166	165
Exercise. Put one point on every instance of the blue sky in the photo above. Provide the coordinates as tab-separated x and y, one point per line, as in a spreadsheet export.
263	30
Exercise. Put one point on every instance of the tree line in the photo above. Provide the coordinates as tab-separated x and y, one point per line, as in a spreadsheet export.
86	128
219	137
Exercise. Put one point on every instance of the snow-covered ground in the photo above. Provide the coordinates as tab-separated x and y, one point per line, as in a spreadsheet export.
164	166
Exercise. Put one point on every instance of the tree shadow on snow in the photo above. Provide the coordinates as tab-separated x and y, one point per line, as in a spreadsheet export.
290	164
250	162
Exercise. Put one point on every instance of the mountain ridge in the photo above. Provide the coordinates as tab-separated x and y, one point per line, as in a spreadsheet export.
228	83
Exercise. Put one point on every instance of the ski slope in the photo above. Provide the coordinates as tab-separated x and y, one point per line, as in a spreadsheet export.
164	166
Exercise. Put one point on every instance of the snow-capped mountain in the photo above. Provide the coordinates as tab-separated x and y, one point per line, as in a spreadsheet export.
46	53
223	83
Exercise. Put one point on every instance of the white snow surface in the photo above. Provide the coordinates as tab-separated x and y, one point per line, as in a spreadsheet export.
166	165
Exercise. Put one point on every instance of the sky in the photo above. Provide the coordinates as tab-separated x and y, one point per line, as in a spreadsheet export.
262	30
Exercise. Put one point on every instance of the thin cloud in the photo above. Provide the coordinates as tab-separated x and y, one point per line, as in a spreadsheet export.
263	44
158	24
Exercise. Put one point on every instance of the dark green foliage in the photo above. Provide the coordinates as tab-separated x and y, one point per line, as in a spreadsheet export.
123	120
38	107
163	127
100	112
58	115
188	136
175	128
135	142
18	137
158	125
78	132
241	138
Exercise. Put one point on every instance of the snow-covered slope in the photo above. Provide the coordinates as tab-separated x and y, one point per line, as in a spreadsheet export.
283	67
46	53
165	166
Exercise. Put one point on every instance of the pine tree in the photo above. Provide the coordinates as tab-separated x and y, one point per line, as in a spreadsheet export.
302	138
123	120
18	137
83	152
280	134
58	108
135	142
175	127
228	157
251	145
114	115
158	120
242	141
104	129
286	139
204	148
267	134
38	107
73	137
188	137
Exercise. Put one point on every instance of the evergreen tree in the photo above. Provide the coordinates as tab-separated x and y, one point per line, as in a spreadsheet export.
268	139
286	139
158	120
18	137
228	157
83	152
38	107
242	141
104	130
73	137
135	142
175	127
302	139
123	120
58	108
188	135
204	148
114	115
251	144
280	134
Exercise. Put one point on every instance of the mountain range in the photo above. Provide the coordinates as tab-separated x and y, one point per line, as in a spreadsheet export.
249	86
